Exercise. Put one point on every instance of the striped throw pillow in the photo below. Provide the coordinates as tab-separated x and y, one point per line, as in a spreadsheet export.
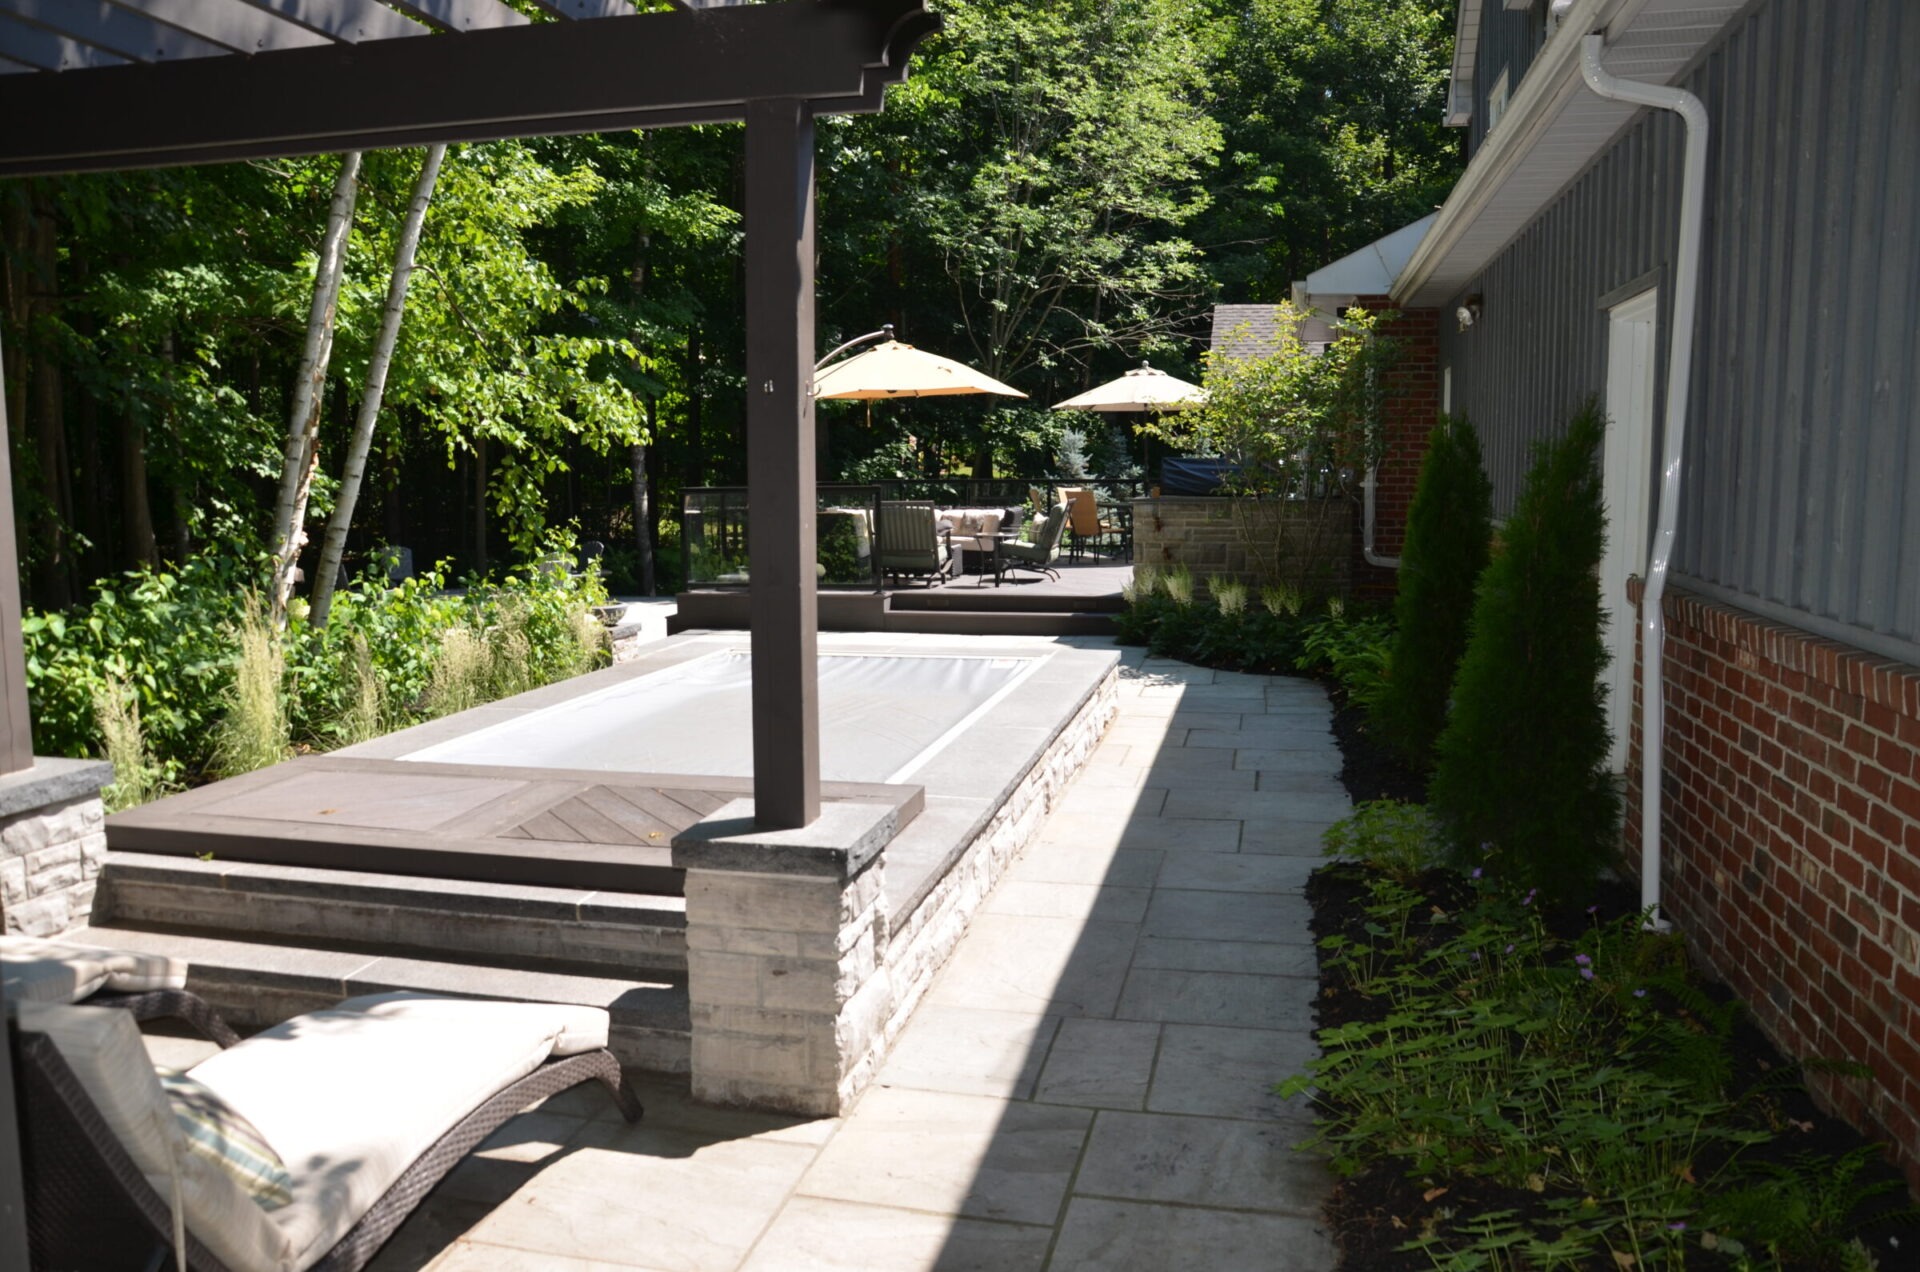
217	1132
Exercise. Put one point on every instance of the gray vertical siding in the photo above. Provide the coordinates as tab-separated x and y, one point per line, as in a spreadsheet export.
1509	40
1802	492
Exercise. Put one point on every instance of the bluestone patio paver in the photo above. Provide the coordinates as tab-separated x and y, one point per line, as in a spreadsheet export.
1088	1084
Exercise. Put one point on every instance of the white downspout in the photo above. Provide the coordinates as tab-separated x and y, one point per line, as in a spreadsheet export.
1366	535
1686	287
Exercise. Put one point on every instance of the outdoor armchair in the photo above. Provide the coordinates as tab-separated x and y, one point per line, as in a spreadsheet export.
1088	526
1041	548
912	542
361	1108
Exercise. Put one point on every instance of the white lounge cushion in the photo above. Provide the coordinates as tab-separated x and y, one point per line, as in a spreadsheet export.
972	521
102	1046
41	971
352	1095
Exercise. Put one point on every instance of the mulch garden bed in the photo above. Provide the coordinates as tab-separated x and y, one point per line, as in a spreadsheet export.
1373	1214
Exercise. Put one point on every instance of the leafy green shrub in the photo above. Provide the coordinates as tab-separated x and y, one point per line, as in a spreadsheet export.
1401	840
1352	650
154	666
1449	530
1521	764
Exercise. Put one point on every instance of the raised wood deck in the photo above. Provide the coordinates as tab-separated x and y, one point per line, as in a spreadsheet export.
547	827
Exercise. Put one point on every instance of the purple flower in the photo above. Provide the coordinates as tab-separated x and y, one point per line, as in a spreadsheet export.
1582	959
1593	909
1676	1227
1528	899
1639	993
1587	972
1477	872
1509	948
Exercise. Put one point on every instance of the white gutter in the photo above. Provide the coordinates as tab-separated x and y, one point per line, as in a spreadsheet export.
1686	288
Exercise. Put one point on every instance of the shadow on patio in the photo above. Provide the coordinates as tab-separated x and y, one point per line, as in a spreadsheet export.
1087	1084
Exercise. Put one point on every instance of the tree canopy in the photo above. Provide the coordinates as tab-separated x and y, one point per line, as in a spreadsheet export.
1058	191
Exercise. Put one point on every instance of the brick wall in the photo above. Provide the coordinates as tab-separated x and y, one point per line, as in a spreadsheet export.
1412	408
1205	534
1791	845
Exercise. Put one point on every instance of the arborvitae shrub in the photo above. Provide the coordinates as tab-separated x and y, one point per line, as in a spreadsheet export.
1521	765
1449	529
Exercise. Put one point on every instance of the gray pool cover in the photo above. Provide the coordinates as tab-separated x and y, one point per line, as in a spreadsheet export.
878	715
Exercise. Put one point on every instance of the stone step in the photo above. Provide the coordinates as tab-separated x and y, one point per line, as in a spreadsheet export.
256	984
611	933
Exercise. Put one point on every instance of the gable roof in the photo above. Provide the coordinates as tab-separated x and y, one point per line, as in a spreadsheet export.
1553	128
1253	331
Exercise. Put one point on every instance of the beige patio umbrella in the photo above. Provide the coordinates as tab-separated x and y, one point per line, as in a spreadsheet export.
1142	389
895	370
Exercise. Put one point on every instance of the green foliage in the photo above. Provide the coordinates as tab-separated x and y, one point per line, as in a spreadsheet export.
255	731
1593	1074
1449	531
1400	840
176	668
1301	429
1178	584
1230	595
1350	649
136	778
1522	763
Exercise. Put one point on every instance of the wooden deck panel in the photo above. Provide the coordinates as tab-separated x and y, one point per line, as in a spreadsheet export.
547	827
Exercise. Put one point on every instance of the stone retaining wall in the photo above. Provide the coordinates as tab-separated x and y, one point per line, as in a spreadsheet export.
1203	533
798	978
52	841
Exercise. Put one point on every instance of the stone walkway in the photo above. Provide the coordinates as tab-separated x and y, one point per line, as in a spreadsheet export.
1086	1087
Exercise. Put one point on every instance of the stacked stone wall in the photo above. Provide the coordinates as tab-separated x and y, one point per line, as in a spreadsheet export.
1208	535
50	865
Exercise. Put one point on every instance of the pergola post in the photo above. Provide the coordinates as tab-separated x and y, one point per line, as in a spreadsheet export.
783	601
16	734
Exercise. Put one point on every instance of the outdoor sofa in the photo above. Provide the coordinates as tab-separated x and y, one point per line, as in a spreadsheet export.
302	1147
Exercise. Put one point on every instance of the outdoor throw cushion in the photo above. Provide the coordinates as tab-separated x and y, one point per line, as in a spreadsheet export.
352	1095
40	971
103	1048
214	1131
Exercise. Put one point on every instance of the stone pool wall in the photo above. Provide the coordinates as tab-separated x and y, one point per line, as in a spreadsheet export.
798	976
52	841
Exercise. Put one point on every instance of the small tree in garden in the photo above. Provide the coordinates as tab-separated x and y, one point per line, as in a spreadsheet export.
1521	764
1449	529
1301	429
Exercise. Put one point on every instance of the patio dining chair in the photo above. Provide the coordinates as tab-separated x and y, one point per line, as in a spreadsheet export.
1041	548
303	1147
1090	529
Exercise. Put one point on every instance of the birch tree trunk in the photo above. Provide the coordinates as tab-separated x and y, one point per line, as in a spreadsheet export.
302	451
356	466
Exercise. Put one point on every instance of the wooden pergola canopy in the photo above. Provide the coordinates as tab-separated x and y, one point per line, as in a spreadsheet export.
108	84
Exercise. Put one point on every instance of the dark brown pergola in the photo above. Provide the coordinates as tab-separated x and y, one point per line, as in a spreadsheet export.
88	85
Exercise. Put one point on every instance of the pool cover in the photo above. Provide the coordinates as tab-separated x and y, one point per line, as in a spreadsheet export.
881	717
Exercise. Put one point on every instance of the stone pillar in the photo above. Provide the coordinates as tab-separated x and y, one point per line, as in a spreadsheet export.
786	930
52	841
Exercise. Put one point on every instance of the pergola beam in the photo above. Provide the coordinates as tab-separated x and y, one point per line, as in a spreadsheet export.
641	71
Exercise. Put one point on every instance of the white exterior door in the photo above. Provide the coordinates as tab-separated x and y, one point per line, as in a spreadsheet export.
1628	475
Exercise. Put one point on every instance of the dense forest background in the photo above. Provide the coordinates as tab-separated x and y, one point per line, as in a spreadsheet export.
1061	190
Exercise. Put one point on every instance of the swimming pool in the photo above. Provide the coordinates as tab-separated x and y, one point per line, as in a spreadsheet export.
882	718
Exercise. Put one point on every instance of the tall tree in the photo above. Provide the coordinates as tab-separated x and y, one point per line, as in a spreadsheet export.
382	358
1332	111
302	451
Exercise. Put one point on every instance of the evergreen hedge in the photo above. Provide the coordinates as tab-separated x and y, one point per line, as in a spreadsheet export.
1449	530
1521	765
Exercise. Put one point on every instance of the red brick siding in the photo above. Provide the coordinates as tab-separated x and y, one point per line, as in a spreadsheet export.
1413	405
1791	844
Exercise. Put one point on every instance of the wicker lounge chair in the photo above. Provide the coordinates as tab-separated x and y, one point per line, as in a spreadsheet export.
1041	548
912	543
369	1104
148	985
